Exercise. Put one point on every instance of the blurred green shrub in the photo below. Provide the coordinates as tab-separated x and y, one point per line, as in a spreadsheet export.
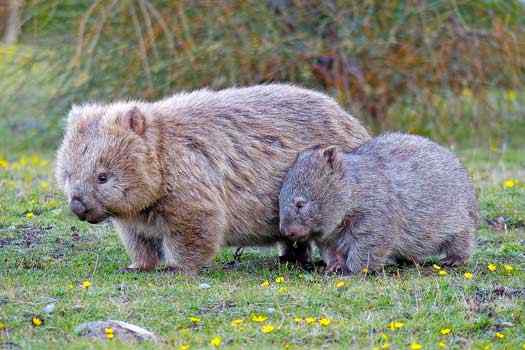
447	69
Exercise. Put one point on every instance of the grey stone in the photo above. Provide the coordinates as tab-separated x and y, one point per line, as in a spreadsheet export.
121	330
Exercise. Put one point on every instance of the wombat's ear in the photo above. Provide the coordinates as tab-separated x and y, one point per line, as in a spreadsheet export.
74	113
134	120
333	157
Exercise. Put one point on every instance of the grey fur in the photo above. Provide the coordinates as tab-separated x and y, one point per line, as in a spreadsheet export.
394	197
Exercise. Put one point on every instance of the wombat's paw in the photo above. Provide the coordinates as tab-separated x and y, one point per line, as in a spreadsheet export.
337	268
453	260
315	266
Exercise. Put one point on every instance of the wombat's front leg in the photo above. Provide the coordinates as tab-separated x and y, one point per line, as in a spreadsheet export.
335	260
367	256
144	251
195	245
365	247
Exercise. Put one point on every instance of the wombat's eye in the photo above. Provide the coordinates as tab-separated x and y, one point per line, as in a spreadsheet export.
299	203
102	178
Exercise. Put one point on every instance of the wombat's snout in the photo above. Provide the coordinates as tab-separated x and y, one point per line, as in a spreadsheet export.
295	232
78	207
85	211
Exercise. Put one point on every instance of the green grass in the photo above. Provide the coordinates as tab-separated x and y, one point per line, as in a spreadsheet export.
45	254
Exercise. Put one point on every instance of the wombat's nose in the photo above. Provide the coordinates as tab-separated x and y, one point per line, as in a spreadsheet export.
78	208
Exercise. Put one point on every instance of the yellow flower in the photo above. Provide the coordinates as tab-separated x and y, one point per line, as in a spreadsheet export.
491	267
30	215
364	270
415	346
216	341
442	345
395	325
508	268
511	95
468	275
282	290
2	326
445	331
184	347
340	284
436	267
499	335
325	321
85	284
3	163
109	332
265	284
36	321
279	279
466	93
236	323
267	328
298	319
44	185
259	318
509	183
195	320
310	320
442	273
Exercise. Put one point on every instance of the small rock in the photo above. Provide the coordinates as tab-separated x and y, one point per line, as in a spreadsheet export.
505	324
49	308
122	330
78	308
204	286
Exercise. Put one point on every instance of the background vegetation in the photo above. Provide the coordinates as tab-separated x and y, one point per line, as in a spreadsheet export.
453	70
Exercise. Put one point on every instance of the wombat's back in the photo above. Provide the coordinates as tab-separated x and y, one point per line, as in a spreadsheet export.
239	142
433	198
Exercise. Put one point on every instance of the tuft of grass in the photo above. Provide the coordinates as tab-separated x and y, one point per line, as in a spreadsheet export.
46	256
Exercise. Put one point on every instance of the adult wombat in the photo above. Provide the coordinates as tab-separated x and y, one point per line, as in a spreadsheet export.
183	176
394	197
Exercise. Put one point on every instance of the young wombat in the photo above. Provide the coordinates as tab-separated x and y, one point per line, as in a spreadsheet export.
186	175
394	197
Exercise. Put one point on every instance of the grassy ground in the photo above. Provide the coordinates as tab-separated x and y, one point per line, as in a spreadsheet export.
46	256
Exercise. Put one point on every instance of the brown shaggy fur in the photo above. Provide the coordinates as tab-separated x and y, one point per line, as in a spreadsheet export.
196	171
